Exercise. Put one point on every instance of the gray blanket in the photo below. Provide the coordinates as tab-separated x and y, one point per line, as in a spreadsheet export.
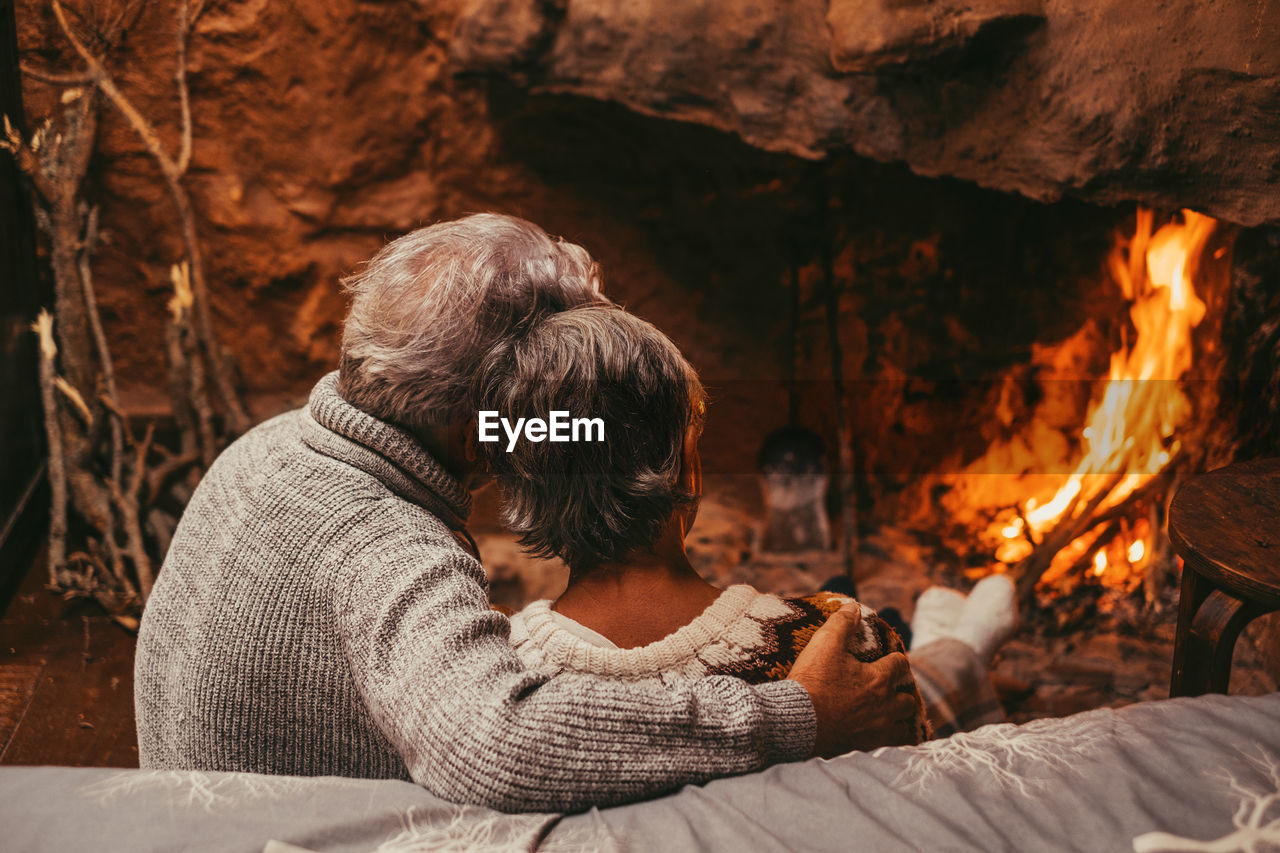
1185	774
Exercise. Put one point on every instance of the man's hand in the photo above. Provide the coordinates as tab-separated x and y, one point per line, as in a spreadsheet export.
858	705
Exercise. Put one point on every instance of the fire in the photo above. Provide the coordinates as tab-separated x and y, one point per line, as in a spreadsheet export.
1132	420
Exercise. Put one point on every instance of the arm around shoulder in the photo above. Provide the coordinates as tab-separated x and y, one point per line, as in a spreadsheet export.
436	671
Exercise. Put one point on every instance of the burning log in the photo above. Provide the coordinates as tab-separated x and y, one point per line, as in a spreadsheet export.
1080	519
1074	524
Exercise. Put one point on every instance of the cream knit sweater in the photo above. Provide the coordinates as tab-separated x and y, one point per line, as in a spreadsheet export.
745	633
741	628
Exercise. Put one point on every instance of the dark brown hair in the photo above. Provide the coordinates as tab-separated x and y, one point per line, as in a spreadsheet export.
591	503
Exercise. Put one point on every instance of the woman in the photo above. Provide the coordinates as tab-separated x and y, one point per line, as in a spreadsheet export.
617	512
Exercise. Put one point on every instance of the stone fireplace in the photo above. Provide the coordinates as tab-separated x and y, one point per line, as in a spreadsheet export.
1022	384
921	231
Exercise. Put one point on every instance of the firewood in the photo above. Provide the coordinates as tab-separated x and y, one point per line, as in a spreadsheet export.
1077	522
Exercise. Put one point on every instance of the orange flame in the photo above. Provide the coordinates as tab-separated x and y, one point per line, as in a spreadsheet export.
1132	420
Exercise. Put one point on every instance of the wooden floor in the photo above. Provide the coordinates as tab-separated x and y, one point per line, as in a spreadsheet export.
66	682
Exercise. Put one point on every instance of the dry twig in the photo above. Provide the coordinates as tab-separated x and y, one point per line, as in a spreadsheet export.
1078	518
126	504
87	247
188	390
1078	521
54	79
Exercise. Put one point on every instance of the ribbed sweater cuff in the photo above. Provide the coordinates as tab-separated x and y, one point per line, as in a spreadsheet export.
792	727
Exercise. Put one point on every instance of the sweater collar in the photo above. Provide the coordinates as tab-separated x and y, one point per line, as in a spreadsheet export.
387	452
568	649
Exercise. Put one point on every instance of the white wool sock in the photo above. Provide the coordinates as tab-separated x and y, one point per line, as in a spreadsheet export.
989	616
937	613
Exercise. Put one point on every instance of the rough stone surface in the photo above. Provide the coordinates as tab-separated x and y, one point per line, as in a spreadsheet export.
1172	104
870	34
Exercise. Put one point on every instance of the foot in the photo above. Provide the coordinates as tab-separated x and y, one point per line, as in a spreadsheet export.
937	614
989	616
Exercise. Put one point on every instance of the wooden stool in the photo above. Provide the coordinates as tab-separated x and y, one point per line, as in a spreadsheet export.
1226	527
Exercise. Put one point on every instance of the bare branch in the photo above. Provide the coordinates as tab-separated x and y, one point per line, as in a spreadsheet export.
117	561
103	80
87	246
180	79
75	399
189	384
172	467
237	420
179	387
113	407
112	488
126	503
116	593
57	464
50	78
56	162
140	461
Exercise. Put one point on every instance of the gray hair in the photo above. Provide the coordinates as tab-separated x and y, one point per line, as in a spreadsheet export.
592	503
429	306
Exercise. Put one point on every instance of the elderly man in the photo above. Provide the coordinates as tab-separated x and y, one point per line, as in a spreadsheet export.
322	609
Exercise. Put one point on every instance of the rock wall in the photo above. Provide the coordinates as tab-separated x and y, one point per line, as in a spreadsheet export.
322	129
1172	104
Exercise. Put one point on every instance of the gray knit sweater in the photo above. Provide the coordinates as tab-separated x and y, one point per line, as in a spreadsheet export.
316	615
